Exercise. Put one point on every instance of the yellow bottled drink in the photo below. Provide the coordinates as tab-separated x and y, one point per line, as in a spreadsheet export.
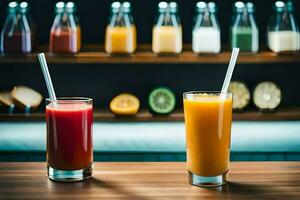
208	118
167	39
167	31
120	39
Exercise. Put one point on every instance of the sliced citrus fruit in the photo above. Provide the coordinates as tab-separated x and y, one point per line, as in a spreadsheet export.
125	104
241	95
161	100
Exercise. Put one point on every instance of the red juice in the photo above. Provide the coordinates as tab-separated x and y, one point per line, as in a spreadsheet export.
69	135
17	43
64	41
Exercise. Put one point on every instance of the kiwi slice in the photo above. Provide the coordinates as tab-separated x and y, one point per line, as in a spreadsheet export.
161	100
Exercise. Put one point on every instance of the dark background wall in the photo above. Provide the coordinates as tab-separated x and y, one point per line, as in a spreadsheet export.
93	16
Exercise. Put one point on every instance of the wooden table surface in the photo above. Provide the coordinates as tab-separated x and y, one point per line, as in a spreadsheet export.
145	181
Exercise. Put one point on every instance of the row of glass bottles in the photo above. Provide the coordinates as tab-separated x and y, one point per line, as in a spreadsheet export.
19	31
17	35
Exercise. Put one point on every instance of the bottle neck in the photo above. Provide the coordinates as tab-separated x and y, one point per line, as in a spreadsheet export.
121	18
244	19
206	19
64	20
168	18
283	21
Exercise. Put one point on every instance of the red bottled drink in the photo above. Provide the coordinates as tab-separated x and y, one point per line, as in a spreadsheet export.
17	35
65	33
69	139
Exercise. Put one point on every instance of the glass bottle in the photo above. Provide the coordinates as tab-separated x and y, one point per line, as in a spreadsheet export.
16	35
25	10
71	10
167	32
206	31
65	33
244	31
120	37
283	31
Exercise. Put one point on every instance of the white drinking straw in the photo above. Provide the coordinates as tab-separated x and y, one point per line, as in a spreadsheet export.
234	55
44	66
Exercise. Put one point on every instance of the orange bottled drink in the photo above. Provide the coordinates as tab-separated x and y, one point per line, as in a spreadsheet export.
120	36
208	118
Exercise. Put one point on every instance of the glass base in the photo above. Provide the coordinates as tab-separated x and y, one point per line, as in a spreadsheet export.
207	181
69	175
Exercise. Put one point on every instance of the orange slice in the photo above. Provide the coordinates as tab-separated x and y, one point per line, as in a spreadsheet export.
125	104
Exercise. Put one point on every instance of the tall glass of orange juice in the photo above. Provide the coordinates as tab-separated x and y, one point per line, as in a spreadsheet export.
208	117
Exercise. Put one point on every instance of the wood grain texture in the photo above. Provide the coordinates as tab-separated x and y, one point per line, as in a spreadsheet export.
94	54
145	181
288	113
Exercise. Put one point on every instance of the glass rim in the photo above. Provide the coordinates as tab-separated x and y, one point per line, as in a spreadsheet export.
70	99
207	92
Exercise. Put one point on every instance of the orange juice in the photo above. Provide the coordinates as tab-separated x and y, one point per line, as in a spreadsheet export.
120	39
208	128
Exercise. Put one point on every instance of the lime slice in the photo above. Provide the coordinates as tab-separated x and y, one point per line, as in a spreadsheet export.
162	101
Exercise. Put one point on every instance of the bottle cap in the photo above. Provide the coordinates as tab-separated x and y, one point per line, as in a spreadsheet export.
70	7
279	6
173	7
212	7
201	6
12	7
23	7
250	7
126	6
162	6
115	6
239	6
59	7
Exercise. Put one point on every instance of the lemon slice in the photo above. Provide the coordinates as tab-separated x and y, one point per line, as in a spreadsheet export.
125	104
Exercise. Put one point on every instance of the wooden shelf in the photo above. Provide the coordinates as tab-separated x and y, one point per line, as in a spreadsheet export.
289	113
93	54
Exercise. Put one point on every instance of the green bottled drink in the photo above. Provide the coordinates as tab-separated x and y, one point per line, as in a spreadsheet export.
244	32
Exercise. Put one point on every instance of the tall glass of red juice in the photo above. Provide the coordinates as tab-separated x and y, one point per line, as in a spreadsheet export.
69	138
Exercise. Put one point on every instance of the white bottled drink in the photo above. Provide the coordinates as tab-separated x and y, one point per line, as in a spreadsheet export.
206	40
284	41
